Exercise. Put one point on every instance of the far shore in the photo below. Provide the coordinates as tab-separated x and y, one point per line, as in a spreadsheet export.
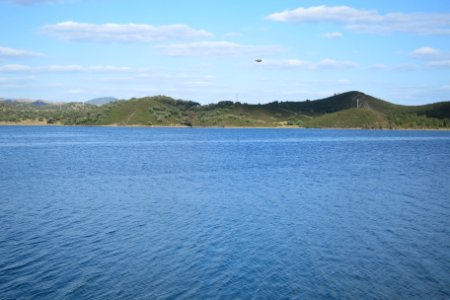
44	124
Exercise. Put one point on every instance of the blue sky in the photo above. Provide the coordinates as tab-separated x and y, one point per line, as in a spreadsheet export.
203	50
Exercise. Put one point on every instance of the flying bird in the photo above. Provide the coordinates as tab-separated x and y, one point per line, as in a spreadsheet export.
258	60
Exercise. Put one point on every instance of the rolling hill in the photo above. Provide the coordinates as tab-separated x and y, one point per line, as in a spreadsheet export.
347	110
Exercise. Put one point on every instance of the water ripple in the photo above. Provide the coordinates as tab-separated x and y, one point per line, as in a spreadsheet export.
132	213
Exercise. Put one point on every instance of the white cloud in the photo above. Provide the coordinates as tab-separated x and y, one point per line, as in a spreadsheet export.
305	65
16	82
288	64
77	91
78	68
369	21
439	64
65	69
170	76
378	67
74	31
405	68
296	63
62	68
333	35
232	34
14	68
198	83
328	63
344	81
426	53
323	13
33	2
17	53
109	69
7	80
219	48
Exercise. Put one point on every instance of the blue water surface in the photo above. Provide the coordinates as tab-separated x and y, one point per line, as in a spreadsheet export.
164	213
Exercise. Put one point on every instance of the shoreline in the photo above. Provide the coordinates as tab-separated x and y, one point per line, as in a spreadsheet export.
37	124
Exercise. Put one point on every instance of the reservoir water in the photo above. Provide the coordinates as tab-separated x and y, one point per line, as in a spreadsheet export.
165	213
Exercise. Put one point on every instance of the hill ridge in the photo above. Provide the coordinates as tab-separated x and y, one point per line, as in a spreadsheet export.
352	109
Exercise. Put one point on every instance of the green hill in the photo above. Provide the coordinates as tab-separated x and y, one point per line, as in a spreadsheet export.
347	110
157	110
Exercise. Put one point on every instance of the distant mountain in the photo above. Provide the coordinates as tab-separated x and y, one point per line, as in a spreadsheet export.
27	101
101	101
6	100
40	103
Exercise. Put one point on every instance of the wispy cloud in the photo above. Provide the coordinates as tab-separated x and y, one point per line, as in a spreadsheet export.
369	21
290	63
333	35
335	64
324	13
326	63
62	68
65	69
435	58
33	2
409	67
112	32
14	68
232	34
426	53
109	69
405	68
79	68
344	82
15	80
439	64
218	48
378	67
17	53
